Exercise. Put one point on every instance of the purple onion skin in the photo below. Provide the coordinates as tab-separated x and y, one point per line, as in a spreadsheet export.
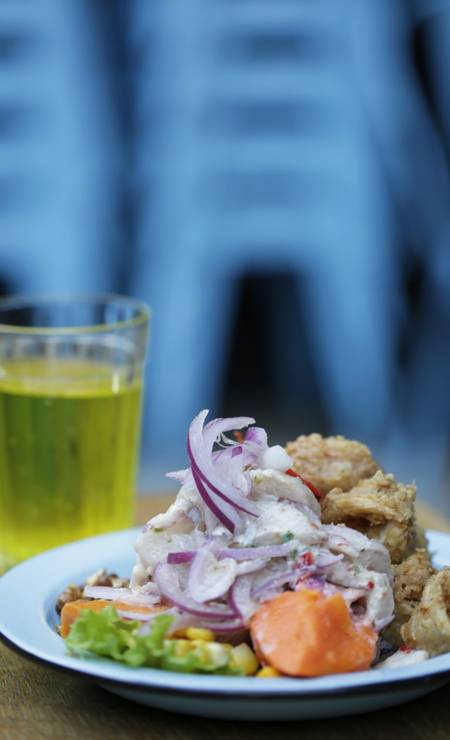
176	599
238	553
180	558
196	469
217	491
211	504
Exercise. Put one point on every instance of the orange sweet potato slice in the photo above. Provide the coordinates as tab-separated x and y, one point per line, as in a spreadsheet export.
71	611
304	633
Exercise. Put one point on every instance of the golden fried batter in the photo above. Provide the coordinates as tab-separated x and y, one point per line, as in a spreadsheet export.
429	626
361	496
410	578
331	462
379	507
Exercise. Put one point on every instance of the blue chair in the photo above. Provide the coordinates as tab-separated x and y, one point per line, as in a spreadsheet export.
417	166
60	158
253	153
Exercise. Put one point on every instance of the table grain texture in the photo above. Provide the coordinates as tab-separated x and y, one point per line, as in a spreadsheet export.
39	702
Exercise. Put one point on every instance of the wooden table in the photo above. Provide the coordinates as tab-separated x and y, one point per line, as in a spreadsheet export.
39	702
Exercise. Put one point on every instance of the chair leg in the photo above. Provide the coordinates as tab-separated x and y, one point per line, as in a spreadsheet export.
420	438
351	335
192	310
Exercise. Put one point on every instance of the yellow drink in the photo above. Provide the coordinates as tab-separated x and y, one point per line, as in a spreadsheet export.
69	433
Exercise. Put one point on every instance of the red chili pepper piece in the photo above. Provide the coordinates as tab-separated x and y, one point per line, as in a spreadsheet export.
307	558
405	649
310	485
371	585
239	436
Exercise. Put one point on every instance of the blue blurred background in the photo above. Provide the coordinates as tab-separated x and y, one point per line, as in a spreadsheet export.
272	176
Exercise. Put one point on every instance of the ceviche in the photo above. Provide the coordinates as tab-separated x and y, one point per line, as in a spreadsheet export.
299	561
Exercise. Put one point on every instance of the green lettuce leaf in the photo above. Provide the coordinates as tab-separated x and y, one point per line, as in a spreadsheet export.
105	633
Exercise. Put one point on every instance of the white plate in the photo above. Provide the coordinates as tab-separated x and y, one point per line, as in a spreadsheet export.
32	588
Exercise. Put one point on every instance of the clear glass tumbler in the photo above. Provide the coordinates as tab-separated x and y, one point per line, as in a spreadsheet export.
70	403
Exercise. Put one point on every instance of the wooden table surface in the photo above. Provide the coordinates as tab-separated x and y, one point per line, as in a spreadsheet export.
39	702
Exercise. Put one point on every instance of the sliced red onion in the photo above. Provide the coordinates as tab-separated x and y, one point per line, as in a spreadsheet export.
313	583
274	585
224	512
126	595
240	598
233	469
210	578
166	578
237	553
180	620
324	560
318	583
215	428
139	616
231	464
200	443
180	558
304	571
258	435
254	553
250	566
232	497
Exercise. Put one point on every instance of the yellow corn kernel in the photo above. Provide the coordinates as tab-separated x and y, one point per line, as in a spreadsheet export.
182	647
268	672
244	658
201	649
197	633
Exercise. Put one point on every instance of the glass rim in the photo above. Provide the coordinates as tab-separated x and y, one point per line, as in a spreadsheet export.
143	313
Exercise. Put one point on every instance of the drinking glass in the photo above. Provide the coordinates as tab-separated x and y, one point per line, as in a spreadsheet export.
71	373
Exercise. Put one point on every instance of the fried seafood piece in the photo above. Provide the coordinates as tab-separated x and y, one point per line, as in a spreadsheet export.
410	578
379	507
429	626
331	462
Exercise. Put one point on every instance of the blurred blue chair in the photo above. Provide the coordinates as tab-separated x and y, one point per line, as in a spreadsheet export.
252	153
417	167
59	153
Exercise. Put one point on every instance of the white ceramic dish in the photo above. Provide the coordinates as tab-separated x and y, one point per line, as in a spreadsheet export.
32	588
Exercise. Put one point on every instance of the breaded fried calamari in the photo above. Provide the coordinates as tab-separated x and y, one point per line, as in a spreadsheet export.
379	507
429	626
331	462
363	497
410	578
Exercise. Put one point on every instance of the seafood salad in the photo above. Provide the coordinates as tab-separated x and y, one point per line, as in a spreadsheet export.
264	565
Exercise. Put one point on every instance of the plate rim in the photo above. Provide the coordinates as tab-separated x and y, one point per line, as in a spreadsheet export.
398	685
159	681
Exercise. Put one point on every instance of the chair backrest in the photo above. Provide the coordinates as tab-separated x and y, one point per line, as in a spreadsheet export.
251	143
59	153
